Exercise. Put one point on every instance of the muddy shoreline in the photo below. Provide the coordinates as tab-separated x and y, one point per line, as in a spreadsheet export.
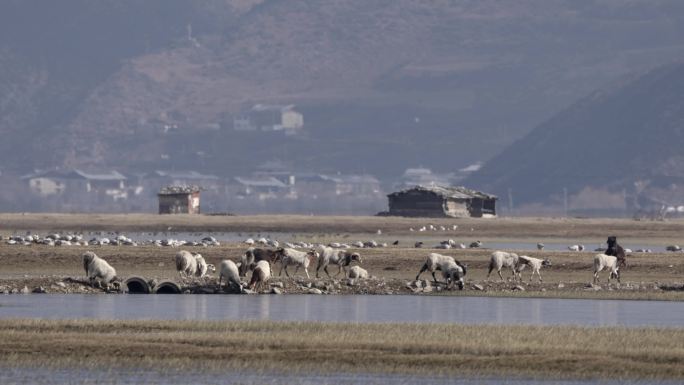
58	269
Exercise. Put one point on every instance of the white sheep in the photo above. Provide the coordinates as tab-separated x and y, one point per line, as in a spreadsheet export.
452	272
534	263
294	257
435	262
186	264
202	267
357	272
341	258
500	259
98	270
229	270
602	261
260	275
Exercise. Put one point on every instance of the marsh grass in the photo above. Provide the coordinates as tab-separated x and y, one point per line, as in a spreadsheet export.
441	349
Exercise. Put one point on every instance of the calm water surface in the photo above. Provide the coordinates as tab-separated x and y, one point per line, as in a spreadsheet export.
125	377
347	308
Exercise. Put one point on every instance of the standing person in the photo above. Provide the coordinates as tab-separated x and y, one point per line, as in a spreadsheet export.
616	250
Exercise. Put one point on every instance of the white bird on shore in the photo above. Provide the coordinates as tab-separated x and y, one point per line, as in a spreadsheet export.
379	232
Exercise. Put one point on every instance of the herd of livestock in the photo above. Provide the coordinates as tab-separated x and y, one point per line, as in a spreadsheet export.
258	262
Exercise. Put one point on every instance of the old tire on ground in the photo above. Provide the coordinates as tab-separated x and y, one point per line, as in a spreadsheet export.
136	285
167	287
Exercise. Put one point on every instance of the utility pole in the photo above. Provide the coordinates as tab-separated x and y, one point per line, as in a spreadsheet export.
510	201
565	201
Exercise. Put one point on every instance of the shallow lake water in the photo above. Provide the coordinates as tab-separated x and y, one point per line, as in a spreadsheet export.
347	308
428	239
124	377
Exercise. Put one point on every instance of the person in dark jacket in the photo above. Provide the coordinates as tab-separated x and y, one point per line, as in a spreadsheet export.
616	250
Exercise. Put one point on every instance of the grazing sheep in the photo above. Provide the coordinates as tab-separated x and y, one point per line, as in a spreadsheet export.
202	267
260	275
602	261
293	257
435	262
418	245
500	259
98	270
540	246
673	248
476	244
254	255
357	272
186	264
452	272
341	258
229	269
534	263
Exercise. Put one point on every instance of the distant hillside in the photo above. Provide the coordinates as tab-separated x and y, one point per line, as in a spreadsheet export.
383	84
626	139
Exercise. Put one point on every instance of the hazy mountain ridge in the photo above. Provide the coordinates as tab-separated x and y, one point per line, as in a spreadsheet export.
383	84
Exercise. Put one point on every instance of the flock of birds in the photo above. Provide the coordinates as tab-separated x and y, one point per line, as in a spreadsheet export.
116	239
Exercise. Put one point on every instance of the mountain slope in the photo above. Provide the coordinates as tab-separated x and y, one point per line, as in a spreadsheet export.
628	137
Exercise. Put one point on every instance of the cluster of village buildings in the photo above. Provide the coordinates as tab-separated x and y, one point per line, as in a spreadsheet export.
266	191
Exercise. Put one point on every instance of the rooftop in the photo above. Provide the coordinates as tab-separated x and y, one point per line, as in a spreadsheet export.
457	192
184	175
260	182
173	190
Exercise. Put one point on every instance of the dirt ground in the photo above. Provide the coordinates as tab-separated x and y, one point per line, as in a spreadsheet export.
394	268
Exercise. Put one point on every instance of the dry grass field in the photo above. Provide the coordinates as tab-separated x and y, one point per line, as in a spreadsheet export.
462	350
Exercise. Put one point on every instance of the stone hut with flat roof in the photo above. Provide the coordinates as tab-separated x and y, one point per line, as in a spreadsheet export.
179	200
441	201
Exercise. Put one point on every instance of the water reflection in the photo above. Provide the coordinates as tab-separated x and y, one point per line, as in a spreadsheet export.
434	309
14	375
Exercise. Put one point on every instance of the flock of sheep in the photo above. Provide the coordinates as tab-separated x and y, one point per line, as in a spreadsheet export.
259	262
